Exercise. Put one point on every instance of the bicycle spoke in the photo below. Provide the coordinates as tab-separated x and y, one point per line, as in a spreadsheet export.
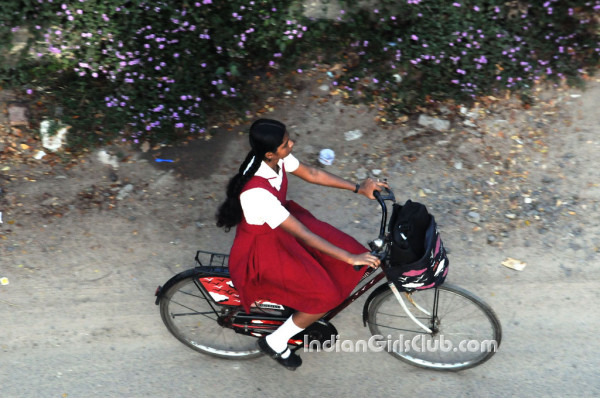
460	318
192	318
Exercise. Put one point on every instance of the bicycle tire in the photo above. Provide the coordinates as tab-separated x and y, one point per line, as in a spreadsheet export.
461	317
189	317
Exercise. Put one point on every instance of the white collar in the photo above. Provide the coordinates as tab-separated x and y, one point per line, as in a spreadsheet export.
265	171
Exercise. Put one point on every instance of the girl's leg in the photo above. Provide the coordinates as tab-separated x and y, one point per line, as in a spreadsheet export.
304	320
299	321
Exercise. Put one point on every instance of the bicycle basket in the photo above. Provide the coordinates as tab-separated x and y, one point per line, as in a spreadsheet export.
428	271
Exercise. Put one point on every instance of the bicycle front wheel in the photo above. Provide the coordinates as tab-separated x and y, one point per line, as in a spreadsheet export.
189	316
465	331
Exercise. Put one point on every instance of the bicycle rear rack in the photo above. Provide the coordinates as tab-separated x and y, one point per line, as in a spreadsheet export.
212	261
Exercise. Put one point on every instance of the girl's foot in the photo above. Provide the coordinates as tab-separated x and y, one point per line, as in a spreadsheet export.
291	362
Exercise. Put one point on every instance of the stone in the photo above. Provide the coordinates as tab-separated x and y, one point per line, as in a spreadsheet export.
17	115
433	123
361	174
352	135
105	158
124	192
474	217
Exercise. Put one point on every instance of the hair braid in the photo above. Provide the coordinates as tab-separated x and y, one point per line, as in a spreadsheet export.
266	135
230	212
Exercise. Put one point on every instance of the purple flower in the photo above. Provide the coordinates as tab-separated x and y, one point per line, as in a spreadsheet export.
456	4
414	37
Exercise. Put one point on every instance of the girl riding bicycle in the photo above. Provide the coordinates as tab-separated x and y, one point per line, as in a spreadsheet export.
281	252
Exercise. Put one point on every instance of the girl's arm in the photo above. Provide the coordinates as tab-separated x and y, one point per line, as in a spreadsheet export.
322	177
295	228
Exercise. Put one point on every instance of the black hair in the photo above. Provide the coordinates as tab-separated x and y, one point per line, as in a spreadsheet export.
266	135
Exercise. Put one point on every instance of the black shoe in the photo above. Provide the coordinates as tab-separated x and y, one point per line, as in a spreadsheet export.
291	362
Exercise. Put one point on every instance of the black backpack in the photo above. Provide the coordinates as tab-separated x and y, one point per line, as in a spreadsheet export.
418	259
407	226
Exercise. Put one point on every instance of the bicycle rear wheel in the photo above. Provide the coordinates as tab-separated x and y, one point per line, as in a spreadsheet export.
465	330
190	318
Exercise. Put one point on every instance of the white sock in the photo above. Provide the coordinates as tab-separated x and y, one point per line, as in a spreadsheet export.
278	340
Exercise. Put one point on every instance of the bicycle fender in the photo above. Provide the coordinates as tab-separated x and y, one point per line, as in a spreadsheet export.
176	278
375	293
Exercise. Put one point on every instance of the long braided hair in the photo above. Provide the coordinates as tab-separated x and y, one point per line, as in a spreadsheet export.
266	135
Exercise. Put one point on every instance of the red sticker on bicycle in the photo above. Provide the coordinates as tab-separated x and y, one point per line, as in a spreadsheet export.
221	290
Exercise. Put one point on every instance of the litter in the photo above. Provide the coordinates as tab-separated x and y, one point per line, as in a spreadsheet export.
514	264
326	156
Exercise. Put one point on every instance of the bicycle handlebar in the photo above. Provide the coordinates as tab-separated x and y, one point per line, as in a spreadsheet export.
381	199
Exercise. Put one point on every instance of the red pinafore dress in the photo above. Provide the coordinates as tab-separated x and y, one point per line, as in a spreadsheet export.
270	264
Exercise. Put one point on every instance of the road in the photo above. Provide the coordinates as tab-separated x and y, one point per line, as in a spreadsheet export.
78	316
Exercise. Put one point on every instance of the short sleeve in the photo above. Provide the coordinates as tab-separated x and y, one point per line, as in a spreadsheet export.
260	206
291	163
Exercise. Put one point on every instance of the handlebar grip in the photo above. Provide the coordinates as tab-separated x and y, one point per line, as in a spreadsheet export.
358	267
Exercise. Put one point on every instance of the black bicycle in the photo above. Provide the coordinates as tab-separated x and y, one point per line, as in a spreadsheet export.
442	328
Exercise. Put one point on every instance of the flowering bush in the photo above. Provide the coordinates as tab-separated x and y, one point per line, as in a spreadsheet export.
439	50
154	69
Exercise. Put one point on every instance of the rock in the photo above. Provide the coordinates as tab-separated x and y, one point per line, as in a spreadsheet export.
50	202
474	217
510	216
410	133
125	191
491	239
376	172
352	135
547	180
458	165
105	158
434	123
309	149
361	174
17	115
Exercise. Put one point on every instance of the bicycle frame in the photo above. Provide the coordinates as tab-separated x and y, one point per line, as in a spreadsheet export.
380	248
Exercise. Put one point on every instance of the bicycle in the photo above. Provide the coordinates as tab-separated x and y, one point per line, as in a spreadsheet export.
201	308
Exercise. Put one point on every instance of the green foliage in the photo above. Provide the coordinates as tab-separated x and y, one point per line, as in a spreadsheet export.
155	69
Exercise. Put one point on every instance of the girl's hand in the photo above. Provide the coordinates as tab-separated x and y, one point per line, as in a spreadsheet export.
369	185
364	259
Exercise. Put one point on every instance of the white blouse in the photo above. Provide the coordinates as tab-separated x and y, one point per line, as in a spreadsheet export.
259	205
